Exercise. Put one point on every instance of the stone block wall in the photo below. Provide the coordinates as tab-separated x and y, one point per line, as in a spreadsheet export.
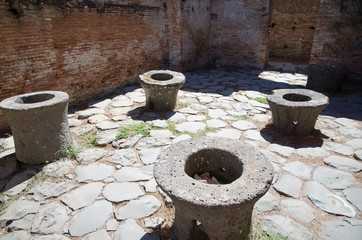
292	27
239	32
85	51
338	38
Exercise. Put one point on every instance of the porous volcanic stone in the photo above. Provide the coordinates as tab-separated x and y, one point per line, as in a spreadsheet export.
193	199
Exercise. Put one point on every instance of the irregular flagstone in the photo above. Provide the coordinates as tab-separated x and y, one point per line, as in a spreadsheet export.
344	150
337	229
327	123
160	133
267	203
7	142
143	207
58	168
276	169
89	112
205	100
148	156
261	117
243	125
328	201
258	104
153	222
98	235
285	227
50	237
289	185
192	127
175	117
74	122
354	196
181	137
343	163
97	118
355	143
93	172
131	174
82	196
299	209
105	125
358	155
216	123
101	104
130	230
18	210
91	218
50	219
298	169
151	185
23	223
119	111
226	133
127	142
91	155
188	110
17	235
106	137
283	150
237	113
312	152
254	135
82	129
273	157
119	192
216	113
333	178
50	189
159	123
350	131
347	122
149	142
125	157
111	225
122	103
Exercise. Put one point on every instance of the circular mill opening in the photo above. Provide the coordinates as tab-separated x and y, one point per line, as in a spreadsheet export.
294	97
218	164
161	76
36	98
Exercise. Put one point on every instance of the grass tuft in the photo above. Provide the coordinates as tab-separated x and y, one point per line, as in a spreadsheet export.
69	151
261	100
132	130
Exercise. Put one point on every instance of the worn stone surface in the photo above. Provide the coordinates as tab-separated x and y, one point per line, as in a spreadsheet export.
143	207
343	163
286	227
267	203
299	209
91	155
130	230
131	174
289	185
50	219
106	137
337	229
82	196
23	223
333	178
153	222
17	210
148	156
90	218
353	195
283	150
100	234
312	152
127	142
125	157
192	127
93	172
17	235
226	133
58	168
328	201
243	125
298	169
119	192
50	189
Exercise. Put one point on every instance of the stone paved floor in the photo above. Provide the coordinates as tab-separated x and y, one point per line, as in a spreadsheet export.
109	191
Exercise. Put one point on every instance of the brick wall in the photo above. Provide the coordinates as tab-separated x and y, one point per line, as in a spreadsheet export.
239	32
84	51
292	27
188	34
338	38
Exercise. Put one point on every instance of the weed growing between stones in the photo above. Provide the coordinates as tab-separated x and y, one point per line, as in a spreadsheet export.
257	233
240	117
132	130
69	151
183	104
260	99
88	140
